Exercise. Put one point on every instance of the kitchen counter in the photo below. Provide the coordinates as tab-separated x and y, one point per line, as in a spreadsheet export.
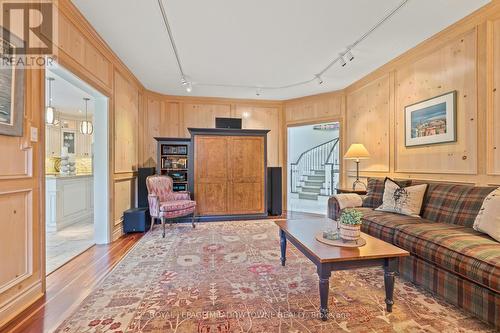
69	200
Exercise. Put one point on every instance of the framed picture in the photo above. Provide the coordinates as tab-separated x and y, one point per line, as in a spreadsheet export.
431	121
11	88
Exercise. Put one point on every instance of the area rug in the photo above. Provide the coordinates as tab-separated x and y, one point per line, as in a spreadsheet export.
226	277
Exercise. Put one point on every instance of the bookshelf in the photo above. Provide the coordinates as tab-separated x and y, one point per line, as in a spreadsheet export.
174	161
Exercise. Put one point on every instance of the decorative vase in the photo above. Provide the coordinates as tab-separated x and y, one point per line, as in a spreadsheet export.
350	232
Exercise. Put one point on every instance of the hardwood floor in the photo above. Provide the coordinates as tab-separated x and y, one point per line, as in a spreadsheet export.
68	286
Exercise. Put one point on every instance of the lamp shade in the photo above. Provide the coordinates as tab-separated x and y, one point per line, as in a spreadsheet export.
357	152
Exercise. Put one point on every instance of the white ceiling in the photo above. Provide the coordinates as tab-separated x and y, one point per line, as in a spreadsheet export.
66	97
263	42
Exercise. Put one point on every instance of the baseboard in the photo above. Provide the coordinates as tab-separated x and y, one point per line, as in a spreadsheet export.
17	305
117	232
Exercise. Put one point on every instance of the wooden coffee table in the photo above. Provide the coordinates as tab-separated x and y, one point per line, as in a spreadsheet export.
302	234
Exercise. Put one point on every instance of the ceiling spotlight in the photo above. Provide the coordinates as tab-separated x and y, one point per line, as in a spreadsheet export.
349	55
319	79
187	85
342	61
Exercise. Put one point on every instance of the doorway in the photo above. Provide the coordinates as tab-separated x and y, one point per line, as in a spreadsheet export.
76	167
313	166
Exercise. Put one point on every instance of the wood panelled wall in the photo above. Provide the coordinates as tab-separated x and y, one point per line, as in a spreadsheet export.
464	57
171	116
22	189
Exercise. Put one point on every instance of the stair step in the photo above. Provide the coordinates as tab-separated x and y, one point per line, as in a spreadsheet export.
316	177
310	189
308	196
314	183
318	172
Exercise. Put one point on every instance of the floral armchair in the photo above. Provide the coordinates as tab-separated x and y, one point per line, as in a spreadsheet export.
165	204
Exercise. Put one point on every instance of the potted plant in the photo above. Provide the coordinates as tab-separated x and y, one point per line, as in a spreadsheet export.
350	225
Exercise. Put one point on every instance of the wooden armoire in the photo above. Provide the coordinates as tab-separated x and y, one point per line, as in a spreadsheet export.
229	171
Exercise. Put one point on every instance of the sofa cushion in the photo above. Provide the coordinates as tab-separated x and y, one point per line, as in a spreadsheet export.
452	203
457	249
375	191
171	206
382	225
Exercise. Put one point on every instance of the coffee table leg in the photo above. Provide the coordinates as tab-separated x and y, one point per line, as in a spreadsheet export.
324	287
389	276
283	247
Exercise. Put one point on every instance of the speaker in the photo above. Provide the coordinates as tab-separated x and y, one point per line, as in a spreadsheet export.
136	220
274	191
142	190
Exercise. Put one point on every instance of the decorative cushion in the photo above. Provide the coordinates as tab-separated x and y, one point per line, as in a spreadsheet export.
453	203
170	206
461	250
402	200
375	191
488	219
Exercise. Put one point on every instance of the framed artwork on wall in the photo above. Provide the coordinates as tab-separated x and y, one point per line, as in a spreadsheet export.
11	87
431	121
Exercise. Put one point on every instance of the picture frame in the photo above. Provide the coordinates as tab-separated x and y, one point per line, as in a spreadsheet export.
432	121
12	87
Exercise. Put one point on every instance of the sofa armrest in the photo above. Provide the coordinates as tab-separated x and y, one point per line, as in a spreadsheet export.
334	206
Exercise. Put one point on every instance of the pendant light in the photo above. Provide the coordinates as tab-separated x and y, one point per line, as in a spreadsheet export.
50	112
86	126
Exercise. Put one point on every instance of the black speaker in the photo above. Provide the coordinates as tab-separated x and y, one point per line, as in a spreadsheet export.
136	220
274	191
142	190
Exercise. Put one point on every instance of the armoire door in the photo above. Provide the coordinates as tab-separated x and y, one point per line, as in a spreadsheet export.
246	175
211	174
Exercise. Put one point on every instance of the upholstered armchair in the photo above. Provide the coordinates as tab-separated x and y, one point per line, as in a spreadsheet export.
165	204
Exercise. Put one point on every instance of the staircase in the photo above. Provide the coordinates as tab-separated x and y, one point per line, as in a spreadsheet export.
316	171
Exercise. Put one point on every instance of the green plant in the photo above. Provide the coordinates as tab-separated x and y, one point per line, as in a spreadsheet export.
351	217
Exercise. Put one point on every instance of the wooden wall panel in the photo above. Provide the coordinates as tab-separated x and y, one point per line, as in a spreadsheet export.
366	107
16	224
126	129
19	157
124	198
21	273
83	52
199	115
494	109
314	108
170	120
71	40
451	67
263	118
152	129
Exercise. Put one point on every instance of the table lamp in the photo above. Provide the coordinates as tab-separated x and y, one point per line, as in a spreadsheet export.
357	152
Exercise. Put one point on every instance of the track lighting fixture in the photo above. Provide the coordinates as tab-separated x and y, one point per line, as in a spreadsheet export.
349	55
342	58
342	61
319	79
187	85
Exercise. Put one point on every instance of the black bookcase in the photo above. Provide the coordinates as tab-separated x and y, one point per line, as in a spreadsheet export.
174	160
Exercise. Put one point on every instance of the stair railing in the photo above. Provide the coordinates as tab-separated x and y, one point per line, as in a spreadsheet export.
332	169
313	159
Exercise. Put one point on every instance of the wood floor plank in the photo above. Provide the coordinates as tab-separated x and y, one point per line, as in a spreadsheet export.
68	286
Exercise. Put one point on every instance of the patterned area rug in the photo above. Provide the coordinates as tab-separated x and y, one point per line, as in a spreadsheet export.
227	277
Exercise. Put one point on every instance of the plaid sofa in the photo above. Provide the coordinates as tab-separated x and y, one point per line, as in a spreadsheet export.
448	257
